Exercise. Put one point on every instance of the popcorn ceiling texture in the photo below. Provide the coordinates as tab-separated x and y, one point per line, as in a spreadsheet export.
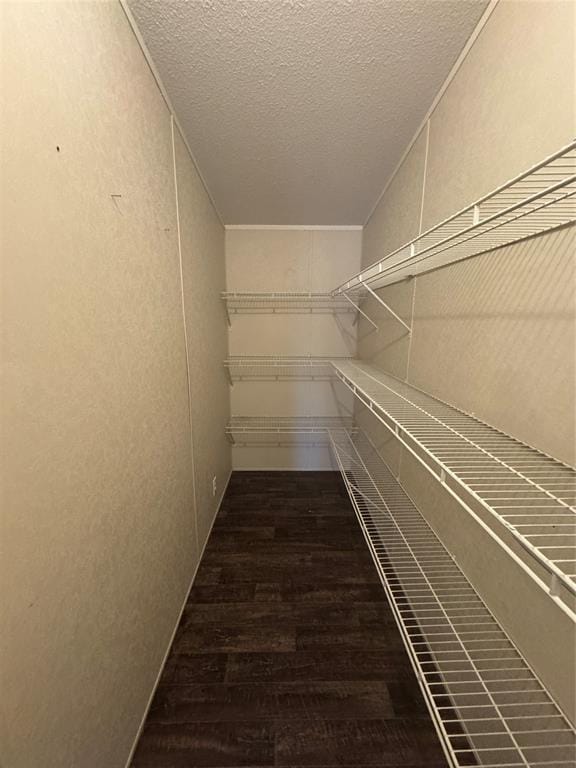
298	111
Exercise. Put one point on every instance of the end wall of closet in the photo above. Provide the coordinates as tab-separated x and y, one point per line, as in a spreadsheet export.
292	260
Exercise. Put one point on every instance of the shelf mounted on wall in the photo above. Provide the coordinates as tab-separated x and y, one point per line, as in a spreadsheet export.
284	430
530	497
488	705
526	494
539	200
250	303
277	368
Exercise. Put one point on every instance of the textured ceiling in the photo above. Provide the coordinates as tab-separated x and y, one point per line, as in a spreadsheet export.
297	111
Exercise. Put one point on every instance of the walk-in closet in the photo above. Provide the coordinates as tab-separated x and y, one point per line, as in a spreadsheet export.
289	378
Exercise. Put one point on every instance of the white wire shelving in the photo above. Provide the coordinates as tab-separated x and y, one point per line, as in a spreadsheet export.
272	368
284	430
539	200
525	493
489	707
285	303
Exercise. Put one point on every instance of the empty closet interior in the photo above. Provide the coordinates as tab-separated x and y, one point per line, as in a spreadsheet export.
202	277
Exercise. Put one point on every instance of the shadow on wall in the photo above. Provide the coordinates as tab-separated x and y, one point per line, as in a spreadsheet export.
492	332
387	346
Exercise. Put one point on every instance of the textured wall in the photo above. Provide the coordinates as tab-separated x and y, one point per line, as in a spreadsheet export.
202	244
489	320
493	335
505	324
510	105
289	260
396	217
98	532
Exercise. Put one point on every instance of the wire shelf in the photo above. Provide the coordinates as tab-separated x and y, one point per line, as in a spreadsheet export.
284	430
285	303
268	368
489	707
527	494
539	200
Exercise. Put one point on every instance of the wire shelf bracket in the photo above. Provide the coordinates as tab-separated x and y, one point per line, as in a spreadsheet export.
356	307
366	289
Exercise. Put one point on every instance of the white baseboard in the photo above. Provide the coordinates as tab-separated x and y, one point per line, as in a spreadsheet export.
173	635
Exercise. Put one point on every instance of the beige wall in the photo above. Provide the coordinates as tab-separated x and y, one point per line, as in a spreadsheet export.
396	218
313	260
502	324
505	324
493	335
98	534
510	105
203	268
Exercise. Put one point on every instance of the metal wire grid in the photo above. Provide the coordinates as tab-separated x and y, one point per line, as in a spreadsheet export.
529	493
489	707
268	368
538	200
287	302
284	430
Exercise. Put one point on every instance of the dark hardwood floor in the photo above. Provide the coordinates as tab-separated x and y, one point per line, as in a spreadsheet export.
287	653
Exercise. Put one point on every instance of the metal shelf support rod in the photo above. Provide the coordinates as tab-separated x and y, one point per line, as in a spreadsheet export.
385	305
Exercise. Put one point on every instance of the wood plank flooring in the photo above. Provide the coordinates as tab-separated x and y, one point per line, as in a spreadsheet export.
287	653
